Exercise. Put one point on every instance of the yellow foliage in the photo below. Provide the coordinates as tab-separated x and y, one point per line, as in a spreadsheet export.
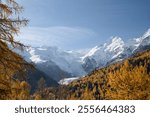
127	80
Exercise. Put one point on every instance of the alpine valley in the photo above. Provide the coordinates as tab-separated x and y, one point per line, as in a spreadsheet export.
64	66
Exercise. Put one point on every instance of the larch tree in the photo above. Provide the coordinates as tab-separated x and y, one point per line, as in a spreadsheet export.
10	62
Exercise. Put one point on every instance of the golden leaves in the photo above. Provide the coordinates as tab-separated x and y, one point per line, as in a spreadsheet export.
127	80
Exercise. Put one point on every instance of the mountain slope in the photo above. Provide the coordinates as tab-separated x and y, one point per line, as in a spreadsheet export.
53	71
129	79
35	76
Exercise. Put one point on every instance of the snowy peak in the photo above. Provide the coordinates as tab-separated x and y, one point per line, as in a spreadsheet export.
102	54
146	38
146	34
116	43
116	47
140	43
91	52
40	54
117	40
35	56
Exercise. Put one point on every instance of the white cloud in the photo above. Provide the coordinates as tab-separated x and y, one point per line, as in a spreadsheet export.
63	37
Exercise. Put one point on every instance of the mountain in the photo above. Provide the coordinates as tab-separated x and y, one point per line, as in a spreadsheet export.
59	64
114	51
99	56
143	43
54	62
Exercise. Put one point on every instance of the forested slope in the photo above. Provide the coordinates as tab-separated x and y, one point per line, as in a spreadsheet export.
129	79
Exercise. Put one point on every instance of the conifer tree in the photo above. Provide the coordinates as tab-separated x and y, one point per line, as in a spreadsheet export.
10	62
10	22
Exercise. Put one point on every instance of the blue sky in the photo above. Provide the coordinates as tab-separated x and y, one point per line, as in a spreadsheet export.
78	24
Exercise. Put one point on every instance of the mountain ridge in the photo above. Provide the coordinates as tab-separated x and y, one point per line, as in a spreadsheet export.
77	63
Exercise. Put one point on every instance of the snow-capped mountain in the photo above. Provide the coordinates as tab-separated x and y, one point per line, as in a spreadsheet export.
66	60
55	62
143	43
136	43
62	64
115	50
100	55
